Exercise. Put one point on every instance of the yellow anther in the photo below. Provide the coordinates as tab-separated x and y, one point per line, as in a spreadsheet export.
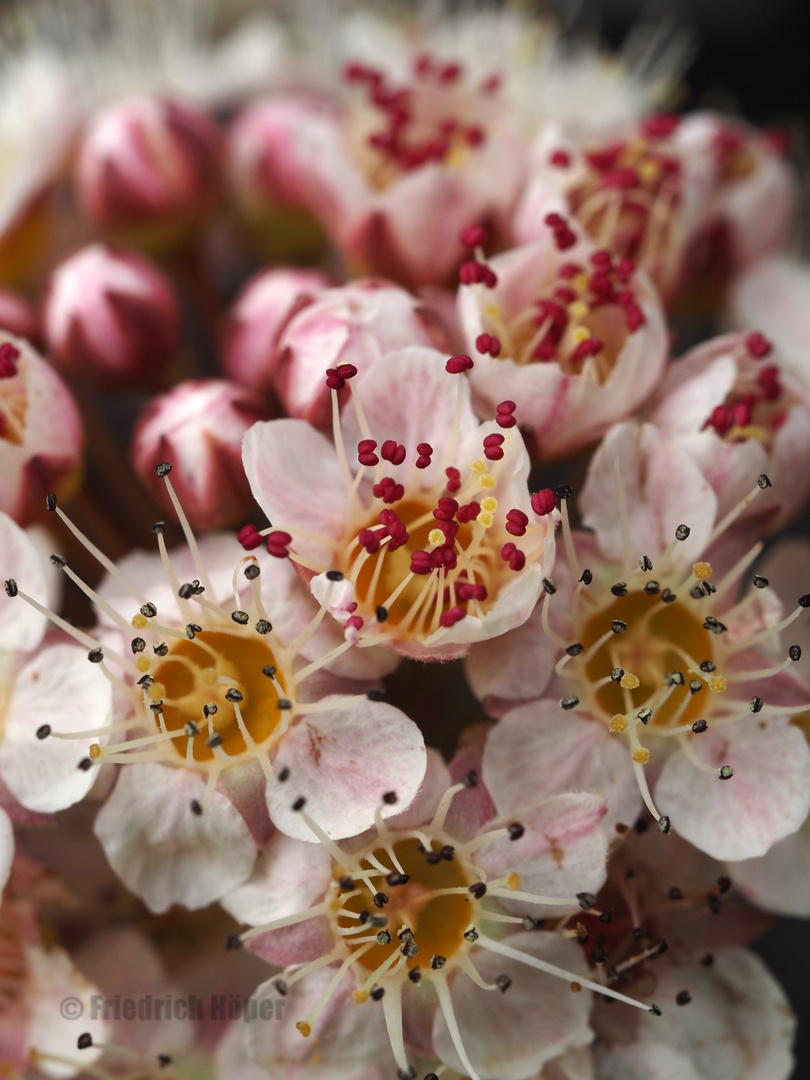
618	723
478	467
580	282
490	504
142	663
578	310
513	881
360	995
304	1028
702	570
157	691
718	683
492	311
94	751
649	171
485	519
436	537
139	621
629	681
576	987
487	481
579	333
641	755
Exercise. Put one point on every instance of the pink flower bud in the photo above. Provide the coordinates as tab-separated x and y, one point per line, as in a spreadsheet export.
261	311
17	316
150	167
110	317
41	437
198	427
356	324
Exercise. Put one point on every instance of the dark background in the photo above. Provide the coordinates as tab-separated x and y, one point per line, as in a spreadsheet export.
752	56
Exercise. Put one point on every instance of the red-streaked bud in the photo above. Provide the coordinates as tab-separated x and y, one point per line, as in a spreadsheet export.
110	317
198	426
41	436
261	312
149	168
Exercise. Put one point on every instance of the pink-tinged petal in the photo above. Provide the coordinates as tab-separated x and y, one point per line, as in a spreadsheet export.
773	296
778	880
513	667
536	1020
279	458
52	1031
289	877
538	750
766	799
164	852
471	809
395	396
355	324
60	687
21	627
738	1026
424	804
230	1057
562	852
348	1041
572	1065
259	314
343	761
6	847
244	785
692	388
660	486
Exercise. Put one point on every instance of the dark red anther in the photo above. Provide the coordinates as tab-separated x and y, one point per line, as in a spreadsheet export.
473	236
446	509
621	178
393	452
721	419
560	159
634	316
467	590
388	490
450	73
588	347
768	380
365	452
249	538
9	355
425	451
517	560
660	125
492	447
471	272
604	158
491	84
456	364
450	529
354	622
443	557
564	295
277	544
568	271
778	420
333	380
420	562
453	478
489	278
368	539
543	501
488	343
474	135
741	413
758	345
602	259
503	414
508	550
516	522
468	512
451	617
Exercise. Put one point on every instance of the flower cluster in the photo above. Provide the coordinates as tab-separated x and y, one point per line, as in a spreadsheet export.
454	719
